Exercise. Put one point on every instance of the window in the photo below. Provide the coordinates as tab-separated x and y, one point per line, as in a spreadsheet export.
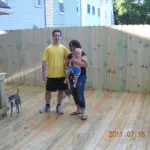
98	11
38	3
93	10
77	9
77	6
61	6
88	8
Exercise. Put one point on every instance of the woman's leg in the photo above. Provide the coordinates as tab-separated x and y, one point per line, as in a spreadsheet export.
81	98
75	97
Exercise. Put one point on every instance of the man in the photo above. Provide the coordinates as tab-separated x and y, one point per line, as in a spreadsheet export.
53	59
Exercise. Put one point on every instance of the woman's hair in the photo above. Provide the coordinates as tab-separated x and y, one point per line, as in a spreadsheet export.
74	43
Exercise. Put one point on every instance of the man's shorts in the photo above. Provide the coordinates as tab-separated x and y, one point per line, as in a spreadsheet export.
54	84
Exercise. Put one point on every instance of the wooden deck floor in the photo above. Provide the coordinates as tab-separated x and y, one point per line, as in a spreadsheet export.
127	114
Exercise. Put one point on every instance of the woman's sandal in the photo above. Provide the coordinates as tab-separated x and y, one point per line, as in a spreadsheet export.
75	113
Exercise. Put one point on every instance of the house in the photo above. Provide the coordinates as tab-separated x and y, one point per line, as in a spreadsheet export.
97	12
83	12
67	13
28	14
4	8
107	12
90	12
25	14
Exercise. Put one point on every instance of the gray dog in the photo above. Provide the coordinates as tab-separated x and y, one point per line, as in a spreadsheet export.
14	101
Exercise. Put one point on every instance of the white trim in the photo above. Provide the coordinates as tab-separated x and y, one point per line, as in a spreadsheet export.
5	10
4	1
61	13
61	1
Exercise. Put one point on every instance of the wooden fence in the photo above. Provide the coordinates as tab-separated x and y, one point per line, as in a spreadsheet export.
119	56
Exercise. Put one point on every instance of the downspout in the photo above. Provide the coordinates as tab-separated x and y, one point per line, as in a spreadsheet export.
45	13
80	13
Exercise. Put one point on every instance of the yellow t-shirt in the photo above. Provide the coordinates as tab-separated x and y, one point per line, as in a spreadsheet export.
55	57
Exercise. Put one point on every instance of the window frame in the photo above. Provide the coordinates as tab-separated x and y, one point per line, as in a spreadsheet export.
61	2
88	8
36	3
93	10
98	12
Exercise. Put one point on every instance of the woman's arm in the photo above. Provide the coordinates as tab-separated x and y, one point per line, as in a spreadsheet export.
67	64
85	60
81	63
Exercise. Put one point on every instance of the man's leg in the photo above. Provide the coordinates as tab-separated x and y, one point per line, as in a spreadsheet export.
46	107
59	102
50	86
61	86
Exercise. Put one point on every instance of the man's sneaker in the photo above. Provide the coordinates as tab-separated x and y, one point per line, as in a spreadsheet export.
45	109
59	109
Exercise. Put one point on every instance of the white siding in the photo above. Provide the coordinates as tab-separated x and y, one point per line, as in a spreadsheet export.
49	13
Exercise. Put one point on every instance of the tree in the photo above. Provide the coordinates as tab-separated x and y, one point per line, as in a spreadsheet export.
129	12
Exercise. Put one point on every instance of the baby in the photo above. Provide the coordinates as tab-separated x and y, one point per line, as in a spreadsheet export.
74	69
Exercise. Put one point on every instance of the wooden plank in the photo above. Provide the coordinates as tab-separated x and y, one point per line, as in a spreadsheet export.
106	111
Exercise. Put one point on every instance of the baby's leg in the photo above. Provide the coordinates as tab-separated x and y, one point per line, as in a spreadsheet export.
76	76
75	83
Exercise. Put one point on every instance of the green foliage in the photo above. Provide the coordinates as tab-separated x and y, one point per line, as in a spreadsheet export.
129	12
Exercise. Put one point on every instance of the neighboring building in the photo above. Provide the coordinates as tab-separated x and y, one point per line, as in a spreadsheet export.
97	12
67	13
28	14
139	1
25	14
91	12
107	12
4	8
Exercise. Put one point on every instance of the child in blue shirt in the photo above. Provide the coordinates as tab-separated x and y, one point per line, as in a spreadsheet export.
74	69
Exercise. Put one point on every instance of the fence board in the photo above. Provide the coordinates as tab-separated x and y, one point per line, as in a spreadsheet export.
118	55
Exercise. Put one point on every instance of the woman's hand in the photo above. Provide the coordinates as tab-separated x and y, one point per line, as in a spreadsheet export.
82	63
85	60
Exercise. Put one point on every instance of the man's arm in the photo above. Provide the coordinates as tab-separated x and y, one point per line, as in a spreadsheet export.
44	69
44	64
66	64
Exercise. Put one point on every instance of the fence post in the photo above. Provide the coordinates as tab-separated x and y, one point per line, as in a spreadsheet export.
3	110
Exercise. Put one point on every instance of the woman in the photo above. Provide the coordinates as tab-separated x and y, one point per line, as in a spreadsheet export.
78	92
